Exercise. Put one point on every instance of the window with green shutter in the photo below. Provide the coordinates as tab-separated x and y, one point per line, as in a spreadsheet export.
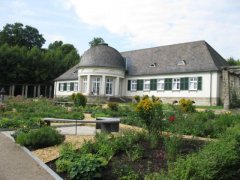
199	83
71	86
153	84
129	85
168	84
65	87
139	85
184	83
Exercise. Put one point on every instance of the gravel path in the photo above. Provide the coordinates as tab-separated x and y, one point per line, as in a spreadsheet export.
17	164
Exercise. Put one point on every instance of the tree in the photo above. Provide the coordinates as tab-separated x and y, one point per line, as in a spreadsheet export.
233	62
96	41
17	34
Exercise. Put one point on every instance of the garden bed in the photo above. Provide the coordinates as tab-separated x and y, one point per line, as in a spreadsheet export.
152	160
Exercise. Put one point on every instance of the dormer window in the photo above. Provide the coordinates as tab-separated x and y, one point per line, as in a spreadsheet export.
181	63
154	65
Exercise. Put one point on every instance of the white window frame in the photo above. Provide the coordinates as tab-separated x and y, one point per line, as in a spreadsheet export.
176	84
75	87
84	88
133	85
160	84
68	86
109	86
61	87
96	86
193	83
146	85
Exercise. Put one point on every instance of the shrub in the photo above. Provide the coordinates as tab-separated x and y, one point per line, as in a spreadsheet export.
137	98
68	155
88	166
152	115
172	146
186	105
9	123
217	160
79	99
145	97
2	107
135	152
155	99
133	119
124	172
39	138
113	106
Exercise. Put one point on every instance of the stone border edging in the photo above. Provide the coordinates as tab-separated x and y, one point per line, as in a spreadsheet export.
39	162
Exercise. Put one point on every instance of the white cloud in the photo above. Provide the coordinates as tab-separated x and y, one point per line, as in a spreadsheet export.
159	22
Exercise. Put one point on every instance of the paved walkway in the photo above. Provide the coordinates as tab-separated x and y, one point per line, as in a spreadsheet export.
15	164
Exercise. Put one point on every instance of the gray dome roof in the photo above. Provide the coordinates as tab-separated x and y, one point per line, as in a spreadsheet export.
102	56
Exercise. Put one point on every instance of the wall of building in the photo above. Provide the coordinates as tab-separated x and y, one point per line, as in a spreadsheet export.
58	93
209	94
116	74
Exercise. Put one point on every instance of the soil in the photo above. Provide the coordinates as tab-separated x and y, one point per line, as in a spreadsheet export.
153	160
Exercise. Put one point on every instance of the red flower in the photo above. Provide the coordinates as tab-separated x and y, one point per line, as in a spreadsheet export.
171	118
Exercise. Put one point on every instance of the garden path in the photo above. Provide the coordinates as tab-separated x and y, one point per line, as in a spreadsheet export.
15	163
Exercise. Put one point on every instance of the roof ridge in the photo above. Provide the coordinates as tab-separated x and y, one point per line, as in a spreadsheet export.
189	42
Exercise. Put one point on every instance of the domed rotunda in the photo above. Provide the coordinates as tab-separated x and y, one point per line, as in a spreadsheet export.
100	71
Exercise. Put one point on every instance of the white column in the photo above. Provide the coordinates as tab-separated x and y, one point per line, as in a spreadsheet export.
22	90
34	91
39	90
88	84
55	89
80	84
116	87
10	90
13	90
103	86
50	91
26	91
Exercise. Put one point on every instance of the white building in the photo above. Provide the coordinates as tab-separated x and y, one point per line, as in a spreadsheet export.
188	70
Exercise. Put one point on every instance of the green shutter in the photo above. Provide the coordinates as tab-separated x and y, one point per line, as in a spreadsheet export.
71	86
168	84
153	84
129	85
139	85
199	83
64	86
59	86
184	83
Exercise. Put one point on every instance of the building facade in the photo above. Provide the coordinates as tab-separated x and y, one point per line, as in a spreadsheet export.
189	70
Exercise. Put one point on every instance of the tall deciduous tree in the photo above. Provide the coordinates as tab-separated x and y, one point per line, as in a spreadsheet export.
96	41
23	61
17	34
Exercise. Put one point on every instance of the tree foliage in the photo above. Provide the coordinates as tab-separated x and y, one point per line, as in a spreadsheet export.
20	63
17	34
96	41
233	62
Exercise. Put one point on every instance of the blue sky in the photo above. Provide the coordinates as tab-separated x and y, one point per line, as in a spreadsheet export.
130	24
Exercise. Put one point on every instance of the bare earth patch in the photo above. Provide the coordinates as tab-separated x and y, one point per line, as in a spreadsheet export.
51	153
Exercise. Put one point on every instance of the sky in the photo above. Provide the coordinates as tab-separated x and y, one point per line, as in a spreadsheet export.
130	24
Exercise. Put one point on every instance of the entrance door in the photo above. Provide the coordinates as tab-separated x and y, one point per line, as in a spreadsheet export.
96	86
